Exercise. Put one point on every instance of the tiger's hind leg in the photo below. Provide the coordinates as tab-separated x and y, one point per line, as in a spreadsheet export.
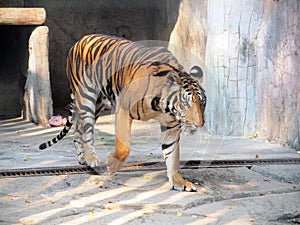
102	102
77	131
170	148
78	143
86	107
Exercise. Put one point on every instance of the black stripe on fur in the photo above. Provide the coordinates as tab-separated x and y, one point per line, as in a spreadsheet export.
60	136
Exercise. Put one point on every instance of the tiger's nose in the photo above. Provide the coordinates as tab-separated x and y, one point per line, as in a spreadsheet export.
200	124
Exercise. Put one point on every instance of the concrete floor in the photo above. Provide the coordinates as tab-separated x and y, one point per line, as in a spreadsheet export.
262	195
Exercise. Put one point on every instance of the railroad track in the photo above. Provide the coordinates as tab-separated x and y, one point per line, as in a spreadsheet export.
147	166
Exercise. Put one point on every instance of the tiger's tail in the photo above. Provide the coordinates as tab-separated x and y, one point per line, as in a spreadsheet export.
63	133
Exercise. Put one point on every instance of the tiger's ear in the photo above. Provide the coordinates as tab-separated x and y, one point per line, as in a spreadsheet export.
173	81
197	73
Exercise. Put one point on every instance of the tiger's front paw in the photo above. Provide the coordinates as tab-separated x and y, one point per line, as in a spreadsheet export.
91	160
113	164
81	159
179	184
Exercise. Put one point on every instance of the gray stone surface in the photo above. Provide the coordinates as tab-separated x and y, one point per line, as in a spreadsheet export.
252	57
262	195
188	37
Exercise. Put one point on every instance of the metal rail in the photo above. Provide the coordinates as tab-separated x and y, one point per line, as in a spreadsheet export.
147	166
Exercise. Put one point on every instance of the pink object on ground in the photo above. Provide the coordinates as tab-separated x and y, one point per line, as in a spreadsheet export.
56	121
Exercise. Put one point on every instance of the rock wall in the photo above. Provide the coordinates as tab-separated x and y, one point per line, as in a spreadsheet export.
253	82
232	66
188	38
278	72
250	53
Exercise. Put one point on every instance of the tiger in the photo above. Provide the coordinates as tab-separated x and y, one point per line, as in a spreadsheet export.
141	83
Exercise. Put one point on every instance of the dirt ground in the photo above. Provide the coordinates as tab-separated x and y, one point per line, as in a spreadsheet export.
260	195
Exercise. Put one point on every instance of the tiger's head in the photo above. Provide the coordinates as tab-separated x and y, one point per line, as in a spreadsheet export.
188	100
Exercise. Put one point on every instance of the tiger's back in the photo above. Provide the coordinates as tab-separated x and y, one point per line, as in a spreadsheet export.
113	62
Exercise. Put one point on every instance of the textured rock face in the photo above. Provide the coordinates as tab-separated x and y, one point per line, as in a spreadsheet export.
188	38
250	51
278	72
232	67
252	55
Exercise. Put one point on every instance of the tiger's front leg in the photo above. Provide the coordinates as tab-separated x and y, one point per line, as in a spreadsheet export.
122	127
170	148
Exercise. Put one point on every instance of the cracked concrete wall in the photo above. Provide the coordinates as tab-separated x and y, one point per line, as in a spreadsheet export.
231	78
252	60
278	72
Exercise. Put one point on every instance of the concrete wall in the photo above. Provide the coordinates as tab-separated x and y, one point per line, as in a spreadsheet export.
252	55
250	52
278	72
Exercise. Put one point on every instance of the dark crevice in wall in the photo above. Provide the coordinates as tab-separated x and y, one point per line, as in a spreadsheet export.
13	68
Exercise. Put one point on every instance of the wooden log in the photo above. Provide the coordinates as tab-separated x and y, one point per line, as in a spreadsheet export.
22	16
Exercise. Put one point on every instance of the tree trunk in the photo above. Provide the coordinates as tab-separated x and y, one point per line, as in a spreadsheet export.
22	16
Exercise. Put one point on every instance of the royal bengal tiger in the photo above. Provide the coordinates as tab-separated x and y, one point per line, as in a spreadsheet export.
142	83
